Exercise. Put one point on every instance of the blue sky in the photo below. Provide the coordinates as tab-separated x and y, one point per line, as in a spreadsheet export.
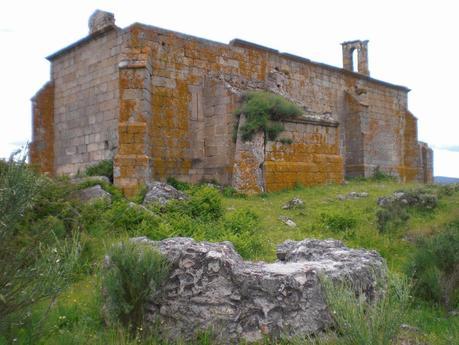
412	43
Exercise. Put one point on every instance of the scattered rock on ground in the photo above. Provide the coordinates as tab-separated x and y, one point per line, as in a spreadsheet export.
287	221
417	198
353	195
211	287
161	193
91	194
294	203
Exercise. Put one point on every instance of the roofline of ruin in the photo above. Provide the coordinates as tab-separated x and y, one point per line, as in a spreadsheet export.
235	42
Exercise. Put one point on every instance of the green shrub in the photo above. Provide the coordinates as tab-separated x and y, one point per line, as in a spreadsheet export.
391	217
262	111
361	322
435	267
177	184
231	192
242	228
338	222
19	187
286	141
102	168
242	221
123	217
205	203
394	211
133	274
35	263
379	175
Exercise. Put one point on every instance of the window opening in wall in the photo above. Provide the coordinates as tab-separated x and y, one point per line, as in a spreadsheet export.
355	60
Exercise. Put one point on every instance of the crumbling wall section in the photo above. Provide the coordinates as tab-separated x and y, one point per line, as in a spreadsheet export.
248	170
425	167
86	102
42	147
408	170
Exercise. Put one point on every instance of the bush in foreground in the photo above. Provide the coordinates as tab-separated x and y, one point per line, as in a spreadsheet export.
37	255
102	168
435	267
133	273
362	322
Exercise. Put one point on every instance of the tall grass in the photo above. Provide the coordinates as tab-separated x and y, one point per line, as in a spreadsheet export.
362	322
133	274
35	263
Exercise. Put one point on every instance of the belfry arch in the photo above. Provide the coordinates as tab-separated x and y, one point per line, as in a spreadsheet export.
362	56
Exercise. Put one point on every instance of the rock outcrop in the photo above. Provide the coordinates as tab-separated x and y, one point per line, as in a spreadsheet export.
161	193
211	287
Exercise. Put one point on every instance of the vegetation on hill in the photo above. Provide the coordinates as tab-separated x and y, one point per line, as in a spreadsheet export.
40	225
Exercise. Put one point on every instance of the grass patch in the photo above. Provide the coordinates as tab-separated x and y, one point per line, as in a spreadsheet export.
250	222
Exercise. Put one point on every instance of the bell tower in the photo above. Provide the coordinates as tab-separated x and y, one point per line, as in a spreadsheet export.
362	56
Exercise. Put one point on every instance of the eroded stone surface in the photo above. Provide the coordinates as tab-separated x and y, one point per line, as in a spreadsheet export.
211	287
91	194
161	193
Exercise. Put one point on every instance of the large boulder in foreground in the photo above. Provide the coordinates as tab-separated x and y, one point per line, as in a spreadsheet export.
211	287
160	192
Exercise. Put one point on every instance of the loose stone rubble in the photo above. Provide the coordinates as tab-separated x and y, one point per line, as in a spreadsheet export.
91	194
211	288
161	193
287	221
417	198
353	195
294	203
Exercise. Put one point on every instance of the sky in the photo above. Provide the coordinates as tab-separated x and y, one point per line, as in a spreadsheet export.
412	43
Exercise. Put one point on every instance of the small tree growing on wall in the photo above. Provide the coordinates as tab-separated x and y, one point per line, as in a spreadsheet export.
264	111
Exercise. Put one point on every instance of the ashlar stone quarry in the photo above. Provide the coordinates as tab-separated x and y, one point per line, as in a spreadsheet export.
161	104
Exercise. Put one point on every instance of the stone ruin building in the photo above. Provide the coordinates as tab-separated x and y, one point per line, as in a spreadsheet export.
161	104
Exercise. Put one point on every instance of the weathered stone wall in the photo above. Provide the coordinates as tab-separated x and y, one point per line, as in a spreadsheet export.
42	147
132	164
313	157
161	103
182	64
425	165
85	103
